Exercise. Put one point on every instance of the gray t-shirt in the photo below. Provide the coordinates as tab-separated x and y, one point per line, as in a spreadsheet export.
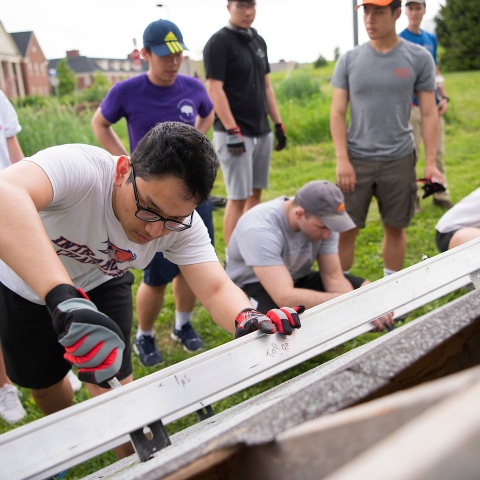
381	87
263	238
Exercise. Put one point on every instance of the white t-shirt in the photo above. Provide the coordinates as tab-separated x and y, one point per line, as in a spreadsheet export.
465	213
263	238
84	231
9	127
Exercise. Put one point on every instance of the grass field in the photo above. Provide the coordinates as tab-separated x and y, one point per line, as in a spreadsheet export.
304	102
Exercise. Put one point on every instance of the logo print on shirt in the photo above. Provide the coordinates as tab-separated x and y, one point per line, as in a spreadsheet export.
187	111
402	72
120	255
83	254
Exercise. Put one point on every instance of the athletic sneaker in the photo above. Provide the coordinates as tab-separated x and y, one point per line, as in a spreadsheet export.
74	381
189	337
11	409
147	351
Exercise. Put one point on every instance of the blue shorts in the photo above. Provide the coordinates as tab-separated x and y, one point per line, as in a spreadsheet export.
161	271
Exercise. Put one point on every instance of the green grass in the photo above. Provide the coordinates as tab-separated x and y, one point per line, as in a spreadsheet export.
310	155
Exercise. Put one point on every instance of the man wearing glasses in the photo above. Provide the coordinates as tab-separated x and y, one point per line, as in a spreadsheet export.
75	220
236	66
160	95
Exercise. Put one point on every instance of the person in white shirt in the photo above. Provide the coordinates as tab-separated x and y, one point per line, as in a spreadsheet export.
460	224
78	218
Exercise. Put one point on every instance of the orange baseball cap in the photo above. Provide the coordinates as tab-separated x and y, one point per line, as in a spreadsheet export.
380	3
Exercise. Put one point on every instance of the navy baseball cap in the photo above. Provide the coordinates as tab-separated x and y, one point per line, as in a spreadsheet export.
164	38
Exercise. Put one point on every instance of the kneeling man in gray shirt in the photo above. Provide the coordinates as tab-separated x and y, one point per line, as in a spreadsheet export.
275	244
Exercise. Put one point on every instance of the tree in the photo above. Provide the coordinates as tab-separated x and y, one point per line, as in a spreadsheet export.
66	78
98	90
458	31
336	53
320	62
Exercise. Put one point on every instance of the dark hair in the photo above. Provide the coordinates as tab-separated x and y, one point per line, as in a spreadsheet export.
148	50
395	5
174	149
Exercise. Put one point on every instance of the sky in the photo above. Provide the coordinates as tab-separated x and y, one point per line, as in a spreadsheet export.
298	30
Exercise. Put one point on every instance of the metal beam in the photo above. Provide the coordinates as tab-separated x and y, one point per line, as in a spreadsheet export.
80	432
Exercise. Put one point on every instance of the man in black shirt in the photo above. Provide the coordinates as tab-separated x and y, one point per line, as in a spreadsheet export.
237	68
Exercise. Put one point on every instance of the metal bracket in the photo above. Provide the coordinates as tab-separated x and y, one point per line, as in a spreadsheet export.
149	440
205	412
475	277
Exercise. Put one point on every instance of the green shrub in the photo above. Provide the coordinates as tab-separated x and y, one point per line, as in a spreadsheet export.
300	87
54	124
306	122
96	93
321	61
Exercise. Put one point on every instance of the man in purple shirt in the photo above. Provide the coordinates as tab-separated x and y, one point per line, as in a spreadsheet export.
160	95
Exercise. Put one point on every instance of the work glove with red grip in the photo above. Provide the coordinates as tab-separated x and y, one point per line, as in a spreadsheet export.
235	143
281	137
282	320
430	186
93	342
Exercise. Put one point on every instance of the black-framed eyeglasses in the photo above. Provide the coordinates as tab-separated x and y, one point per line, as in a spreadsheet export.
148	215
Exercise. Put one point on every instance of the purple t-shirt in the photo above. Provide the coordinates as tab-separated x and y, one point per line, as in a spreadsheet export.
144	104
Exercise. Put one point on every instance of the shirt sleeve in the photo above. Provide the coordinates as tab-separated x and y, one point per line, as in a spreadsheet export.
192	245
112	105
9	118
205	105
215	58
329	246
426	73
73	170
340	75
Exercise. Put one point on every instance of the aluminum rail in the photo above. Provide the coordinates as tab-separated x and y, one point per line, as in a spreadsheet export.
73	435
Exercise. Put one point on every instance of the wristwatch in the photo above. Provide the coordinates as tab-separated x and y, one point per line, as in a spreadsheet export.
446	98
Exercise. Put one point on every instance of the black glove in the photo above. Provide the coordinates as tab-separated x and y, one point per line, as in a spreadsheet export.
235	143
93	342
430	186
281	137
283	320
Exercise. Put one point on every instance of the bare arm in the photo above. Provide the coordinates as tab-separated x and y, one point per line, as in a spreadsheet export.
217	293
220	103
203	124
272	101
428	111
14	149
278	283
346	178
332	275
105	134
24	244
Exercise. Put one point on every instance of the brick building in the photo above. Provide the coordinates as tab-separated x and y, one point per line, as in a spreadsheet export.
34	64
11	78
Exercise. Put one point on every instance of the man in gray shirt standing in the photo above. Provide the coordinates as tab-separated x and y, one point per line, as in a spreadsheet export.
275	244
376	156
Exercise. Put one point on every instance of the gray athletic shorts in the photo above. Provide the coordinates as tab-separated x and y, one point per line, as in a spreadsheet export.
393	185
248	170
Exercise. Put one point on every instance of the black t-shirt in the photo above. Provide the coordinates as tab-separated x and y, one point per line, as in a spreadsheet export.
241	63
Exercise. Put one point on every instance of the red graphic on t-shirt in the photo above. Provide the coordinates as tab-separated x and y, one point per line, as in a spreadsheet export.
83	254
402	72
120	255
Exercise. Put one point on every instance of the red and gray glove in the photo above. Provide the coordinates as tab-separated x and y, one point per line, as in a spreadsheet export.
282	320
235	143
93	342
281	137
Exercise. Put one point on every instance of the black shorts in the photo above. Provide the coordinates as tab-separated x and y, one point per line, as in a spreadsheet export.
33	356
443	240
312	281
